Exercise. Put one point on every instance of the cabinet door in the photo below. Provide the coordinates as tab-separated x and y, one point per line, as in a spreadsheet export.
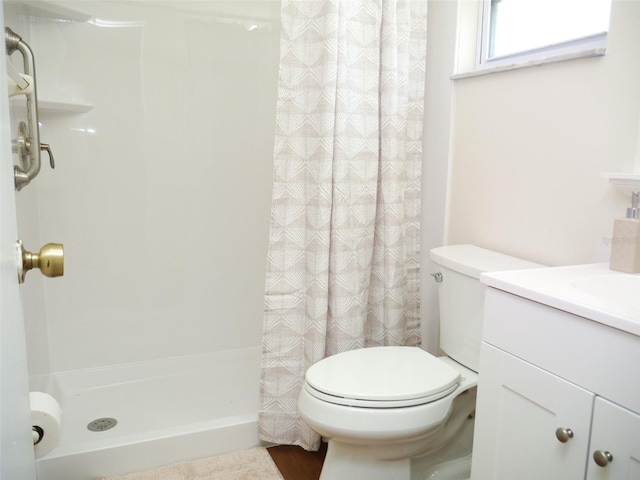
616	432
519	409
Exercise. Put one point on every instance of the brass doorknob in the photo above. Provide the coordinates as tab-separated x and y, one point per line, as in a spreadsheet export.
50	260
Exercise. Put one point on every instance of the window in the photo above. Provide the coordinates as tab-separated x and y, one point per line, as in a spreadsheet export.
514	31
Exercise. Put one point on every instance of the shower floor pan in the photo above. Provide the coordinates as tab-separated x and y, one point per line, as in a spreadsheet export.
167	411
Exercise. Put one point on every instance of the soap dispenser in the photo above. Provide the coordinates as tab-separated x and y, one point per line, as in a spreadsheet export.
625	245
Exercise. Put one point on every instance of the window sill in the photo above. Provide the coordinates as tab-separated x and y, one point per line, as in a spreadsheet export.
594	52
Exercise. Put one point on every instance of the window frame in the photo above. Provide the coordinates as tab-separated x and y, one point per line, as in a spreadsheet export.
587	46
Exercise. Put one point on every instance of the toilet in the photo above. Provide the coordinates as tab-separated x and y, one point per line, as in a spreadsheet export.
389	411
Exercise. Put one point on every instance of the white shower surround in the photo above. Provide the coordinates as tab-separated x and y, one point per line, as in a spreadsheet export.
161	117
162	189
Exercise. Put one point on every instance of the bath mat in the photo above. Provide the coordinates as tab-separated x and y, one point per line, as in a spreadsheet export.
251	464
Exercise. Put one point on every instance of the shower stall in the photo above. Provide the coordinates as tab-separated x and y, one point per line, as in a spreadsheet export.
161	118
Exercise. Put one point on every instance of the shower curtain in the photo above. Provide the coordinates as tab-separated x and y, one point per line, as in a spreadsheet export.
344	246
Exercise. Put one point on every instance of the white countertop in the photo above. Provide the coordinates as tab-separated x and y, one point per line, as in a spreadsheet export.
592	291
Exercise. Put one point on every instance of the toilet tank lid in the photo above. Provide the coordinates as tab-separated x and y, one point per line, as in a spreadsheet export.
473	261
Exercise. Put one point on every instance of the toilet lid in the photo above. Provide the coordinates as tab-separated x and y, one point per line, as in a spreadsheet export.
381	377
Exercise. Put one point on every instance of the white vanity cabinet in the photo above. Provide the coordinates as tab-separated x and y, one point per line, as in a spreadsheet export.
555	388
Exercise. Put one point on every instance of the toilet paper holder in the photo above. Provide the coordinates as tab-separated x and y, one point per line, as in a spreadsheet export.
37	433
46	423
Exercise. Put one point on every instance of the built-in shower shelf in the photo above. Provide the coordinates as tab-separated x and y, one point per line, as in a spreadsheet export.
63	107
46	9
54	106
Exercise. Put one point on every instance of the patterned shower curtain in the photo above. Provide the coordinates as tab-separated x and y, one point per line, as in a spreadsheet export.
344	246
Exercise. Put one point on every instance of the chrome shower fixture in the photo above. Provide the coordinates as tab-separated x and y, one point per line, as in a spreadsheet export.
27	144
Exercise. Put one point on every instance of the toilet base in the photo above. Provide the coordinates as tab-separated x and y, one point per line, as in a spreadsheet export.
348	462
443	455
458	469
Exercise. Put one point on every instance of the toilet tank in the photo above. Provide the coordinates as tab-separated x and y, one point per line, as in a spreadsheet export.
461	296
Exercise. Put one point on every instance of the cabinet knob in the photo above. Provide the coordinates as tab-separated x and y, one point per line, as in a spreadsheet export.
564	434
601	458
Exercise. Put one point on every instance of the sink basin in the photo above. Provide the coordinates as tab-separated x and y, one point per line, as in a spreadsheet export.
592	291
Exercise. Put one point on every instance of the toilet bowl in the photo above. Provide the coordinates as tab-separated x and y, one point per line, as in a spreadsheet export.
379	408
375	424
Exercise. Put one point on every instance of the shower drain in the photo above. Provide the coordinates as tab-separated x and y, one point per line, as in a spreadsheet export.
102	424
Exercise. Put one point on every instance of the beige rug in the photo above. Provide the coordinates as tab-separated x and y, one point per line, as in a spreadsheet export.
251	464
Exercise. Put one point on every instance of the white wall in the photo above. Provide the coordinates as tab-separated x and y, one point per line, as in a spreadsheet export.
525	149
161	192
441	47
529	147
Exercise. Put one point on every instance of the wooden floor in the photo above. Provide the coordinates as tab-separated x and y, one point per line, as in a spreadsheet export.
296	463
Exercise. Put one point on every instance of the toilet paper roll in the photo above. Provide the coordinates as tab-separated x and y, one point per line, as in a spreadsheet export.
46	417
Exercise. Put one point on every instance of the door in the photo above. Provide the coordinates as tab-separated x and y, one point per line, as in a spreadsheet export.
16	444
615	443
530	424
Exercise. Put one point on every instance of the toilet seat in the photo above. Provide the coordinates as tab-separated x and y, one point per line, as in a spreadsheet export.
381	377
